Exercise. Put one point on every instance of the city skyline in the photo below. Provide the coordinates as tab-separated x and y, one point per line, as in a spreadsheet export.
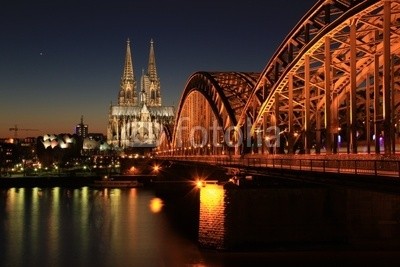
63	61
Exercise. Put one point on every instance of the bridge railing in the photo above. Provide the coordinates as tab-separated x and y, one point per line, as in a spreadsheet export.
374	167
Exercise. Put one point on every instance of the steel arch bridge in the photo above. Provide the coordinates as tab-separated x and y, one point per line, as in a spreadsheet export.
332	84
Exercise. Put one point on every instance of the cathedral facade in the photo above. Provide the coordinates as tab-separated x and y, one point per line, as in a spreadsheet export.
137	120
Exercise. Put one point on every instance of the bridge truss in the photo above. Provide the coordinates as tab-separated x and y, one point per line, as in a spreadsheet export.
332	84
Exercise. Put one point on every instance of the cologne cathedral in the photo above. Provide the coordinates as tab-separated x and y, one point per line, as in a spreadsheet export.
137	121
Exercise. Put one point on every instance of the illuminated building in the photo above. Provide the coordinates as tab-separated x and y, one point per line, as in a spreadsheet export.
81	129
137	120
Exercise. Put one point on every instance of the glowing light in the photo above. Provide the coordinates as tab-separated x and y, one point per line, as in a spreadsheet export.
132	169
156	205
46	143
200	183
156	168
53	143
63	145
68	139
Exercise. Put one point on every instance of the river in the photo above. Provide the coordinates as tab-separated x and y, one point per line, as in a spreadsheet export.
135	227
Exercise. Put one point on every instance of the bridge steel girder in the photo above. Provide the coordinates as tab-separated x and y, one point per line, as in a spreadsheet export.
165	140
376	36
225	92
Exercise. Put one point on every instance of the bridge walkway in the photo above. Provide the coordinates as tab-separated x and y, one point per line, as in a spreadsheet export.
365	165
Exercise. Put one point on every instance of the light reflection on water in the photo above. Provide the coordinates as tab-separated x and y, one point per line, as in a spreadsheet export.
133	227
212	219
156	205
84	227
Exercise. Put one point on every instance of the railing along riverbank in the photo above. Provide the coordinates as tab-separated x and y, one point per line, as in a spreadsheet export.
345	164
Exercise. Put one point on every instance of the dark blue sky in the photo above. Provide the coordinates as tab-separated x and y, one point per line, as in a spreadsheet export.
63	59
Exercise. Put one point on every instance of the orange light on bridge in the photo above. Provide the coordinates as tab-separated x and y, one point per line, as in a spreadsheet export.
200	183
132	169
156	168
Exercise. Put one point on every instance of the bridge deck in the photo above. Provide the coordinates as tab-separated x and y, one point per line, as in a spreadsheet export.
371	165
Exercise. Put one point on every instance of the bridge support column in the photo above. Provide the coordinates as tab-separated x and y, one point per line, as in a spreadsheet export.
263	133
328	124
353	87
368	112
238	139
335	122
307	124
393	105
387	120
348	130
290	115
279	143
377	113
318	133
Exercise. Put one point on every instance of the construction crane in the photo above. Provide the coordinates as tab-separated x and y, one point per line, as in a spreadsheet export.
16	129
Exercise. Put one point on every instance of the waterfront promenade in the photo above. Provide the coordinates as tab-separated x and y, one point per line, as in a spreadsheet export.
345	168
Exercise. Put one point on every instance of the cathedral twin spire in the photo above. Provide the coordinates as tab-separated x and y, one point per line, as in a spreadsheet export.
151	69
127	93
150	83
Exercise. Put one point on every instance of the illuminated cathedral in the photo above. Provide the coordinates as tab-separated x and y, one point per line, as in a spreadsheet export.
137	120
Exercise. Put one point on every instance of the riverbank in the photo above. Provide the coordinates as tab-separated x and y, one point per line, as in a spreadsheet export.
46	181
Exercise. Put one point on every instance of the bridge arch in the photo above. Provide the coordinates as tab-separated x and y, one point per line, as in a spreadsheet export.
210	105
165	139
335	72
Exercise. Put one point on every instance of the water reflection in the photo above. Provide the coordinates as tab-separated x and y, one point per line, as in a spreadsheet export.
212	217
296	217
238	218
156	205
64	227
134	227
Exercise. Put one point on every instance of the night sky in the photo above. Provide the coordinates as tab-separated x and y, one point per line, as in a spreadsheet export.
63	59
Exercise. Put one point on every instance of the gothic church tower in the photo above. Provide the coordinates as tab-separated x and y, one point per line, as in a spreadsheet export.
150	82
134	124
127	94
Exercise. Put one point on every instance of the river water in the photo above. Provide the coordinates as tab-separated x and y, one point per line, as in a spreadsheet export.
134	227
86	227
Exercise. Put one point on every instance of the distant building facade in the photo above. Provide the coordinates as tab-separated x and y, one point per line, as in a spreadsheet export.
82	129
94	143
138	118
14	151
